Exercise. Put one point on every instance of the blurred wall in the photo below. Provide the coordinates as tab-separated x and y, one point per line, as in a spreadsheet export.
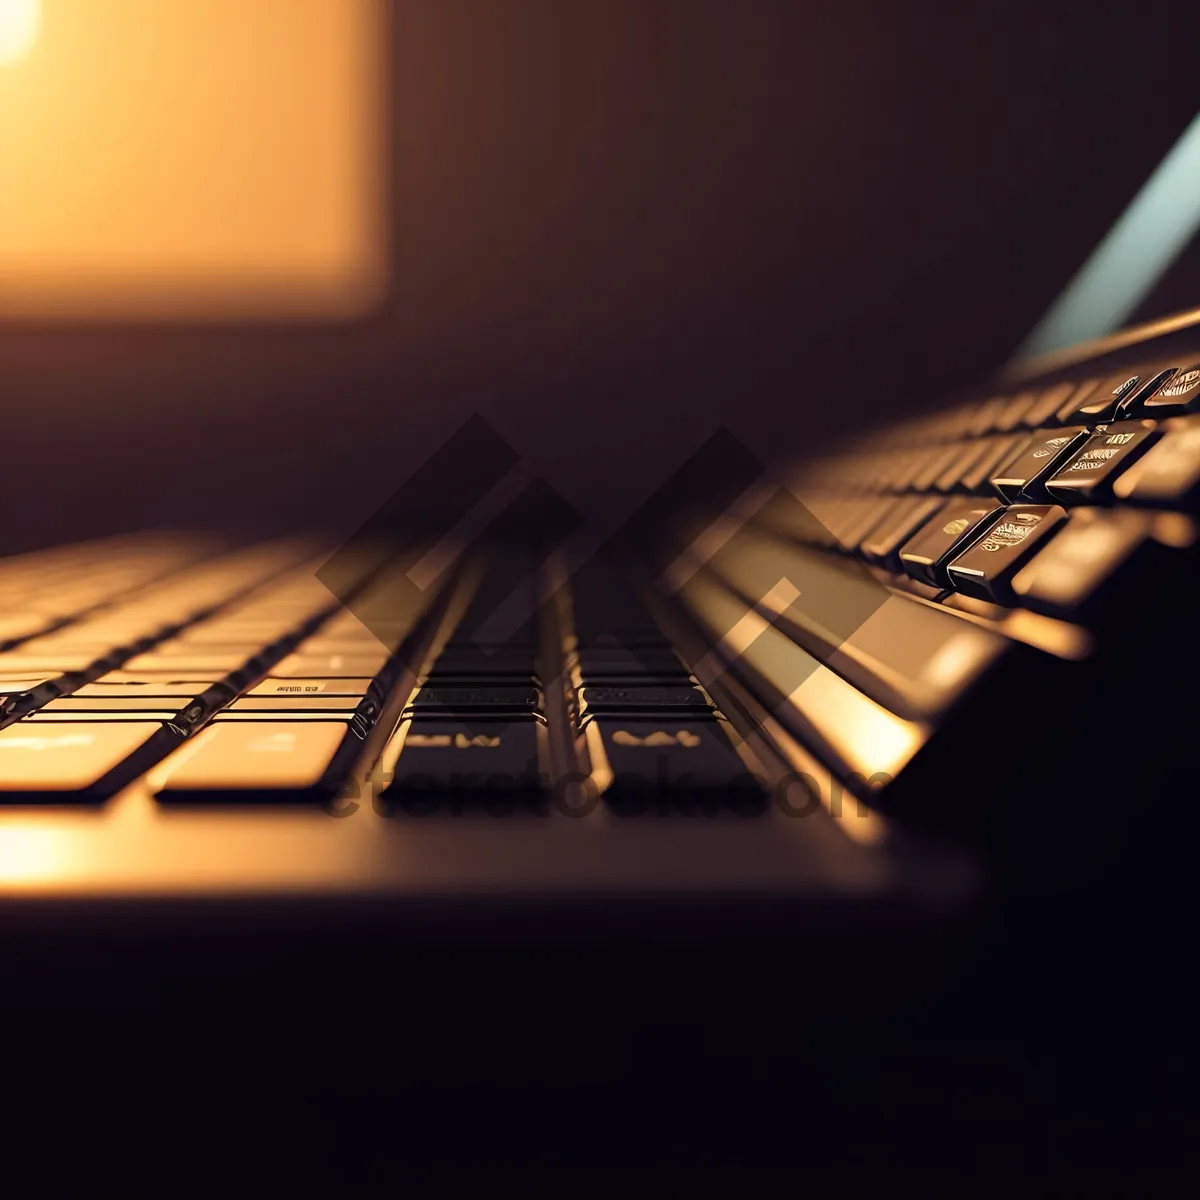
616	225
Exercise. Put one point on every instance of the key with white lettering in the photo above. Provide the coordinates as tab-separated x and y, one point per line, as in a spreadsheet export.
1090	474
1173	393
1023	478
924	558
986	568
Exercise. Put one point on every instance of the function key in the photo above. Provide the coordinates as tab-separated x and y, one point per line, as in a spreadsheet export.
1090	473
1023	477
1175	392
924	557
986	568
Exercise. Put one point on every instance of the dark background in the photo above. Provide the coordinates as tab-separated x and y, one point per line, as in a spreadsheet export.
618	224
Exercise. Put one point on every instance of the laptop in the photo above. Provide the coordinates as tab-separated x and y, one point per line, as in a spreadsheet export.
407	605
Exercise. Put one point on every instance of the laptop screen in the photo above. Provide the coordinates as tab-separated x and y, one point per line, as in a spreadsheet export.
1147	265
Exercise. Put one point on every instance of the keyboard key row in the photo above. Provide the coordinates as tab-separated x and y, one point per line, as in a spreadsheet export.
451	714
589	690
961	450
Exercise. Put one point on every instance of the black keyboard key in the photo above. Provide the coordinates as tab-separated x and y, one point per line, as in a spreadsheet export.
635	762
437	765
986	568
1090	473
1147	385
1168	474
924	558
1023	477
1102	404
1176	391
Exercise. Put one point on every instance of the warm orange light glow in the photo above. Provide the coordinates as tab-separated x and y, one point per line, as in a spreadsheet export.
198	158
28	855
19	21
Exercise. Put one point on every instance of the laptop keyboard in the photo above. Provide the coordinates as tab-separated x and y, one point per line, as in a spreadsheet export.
888	605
